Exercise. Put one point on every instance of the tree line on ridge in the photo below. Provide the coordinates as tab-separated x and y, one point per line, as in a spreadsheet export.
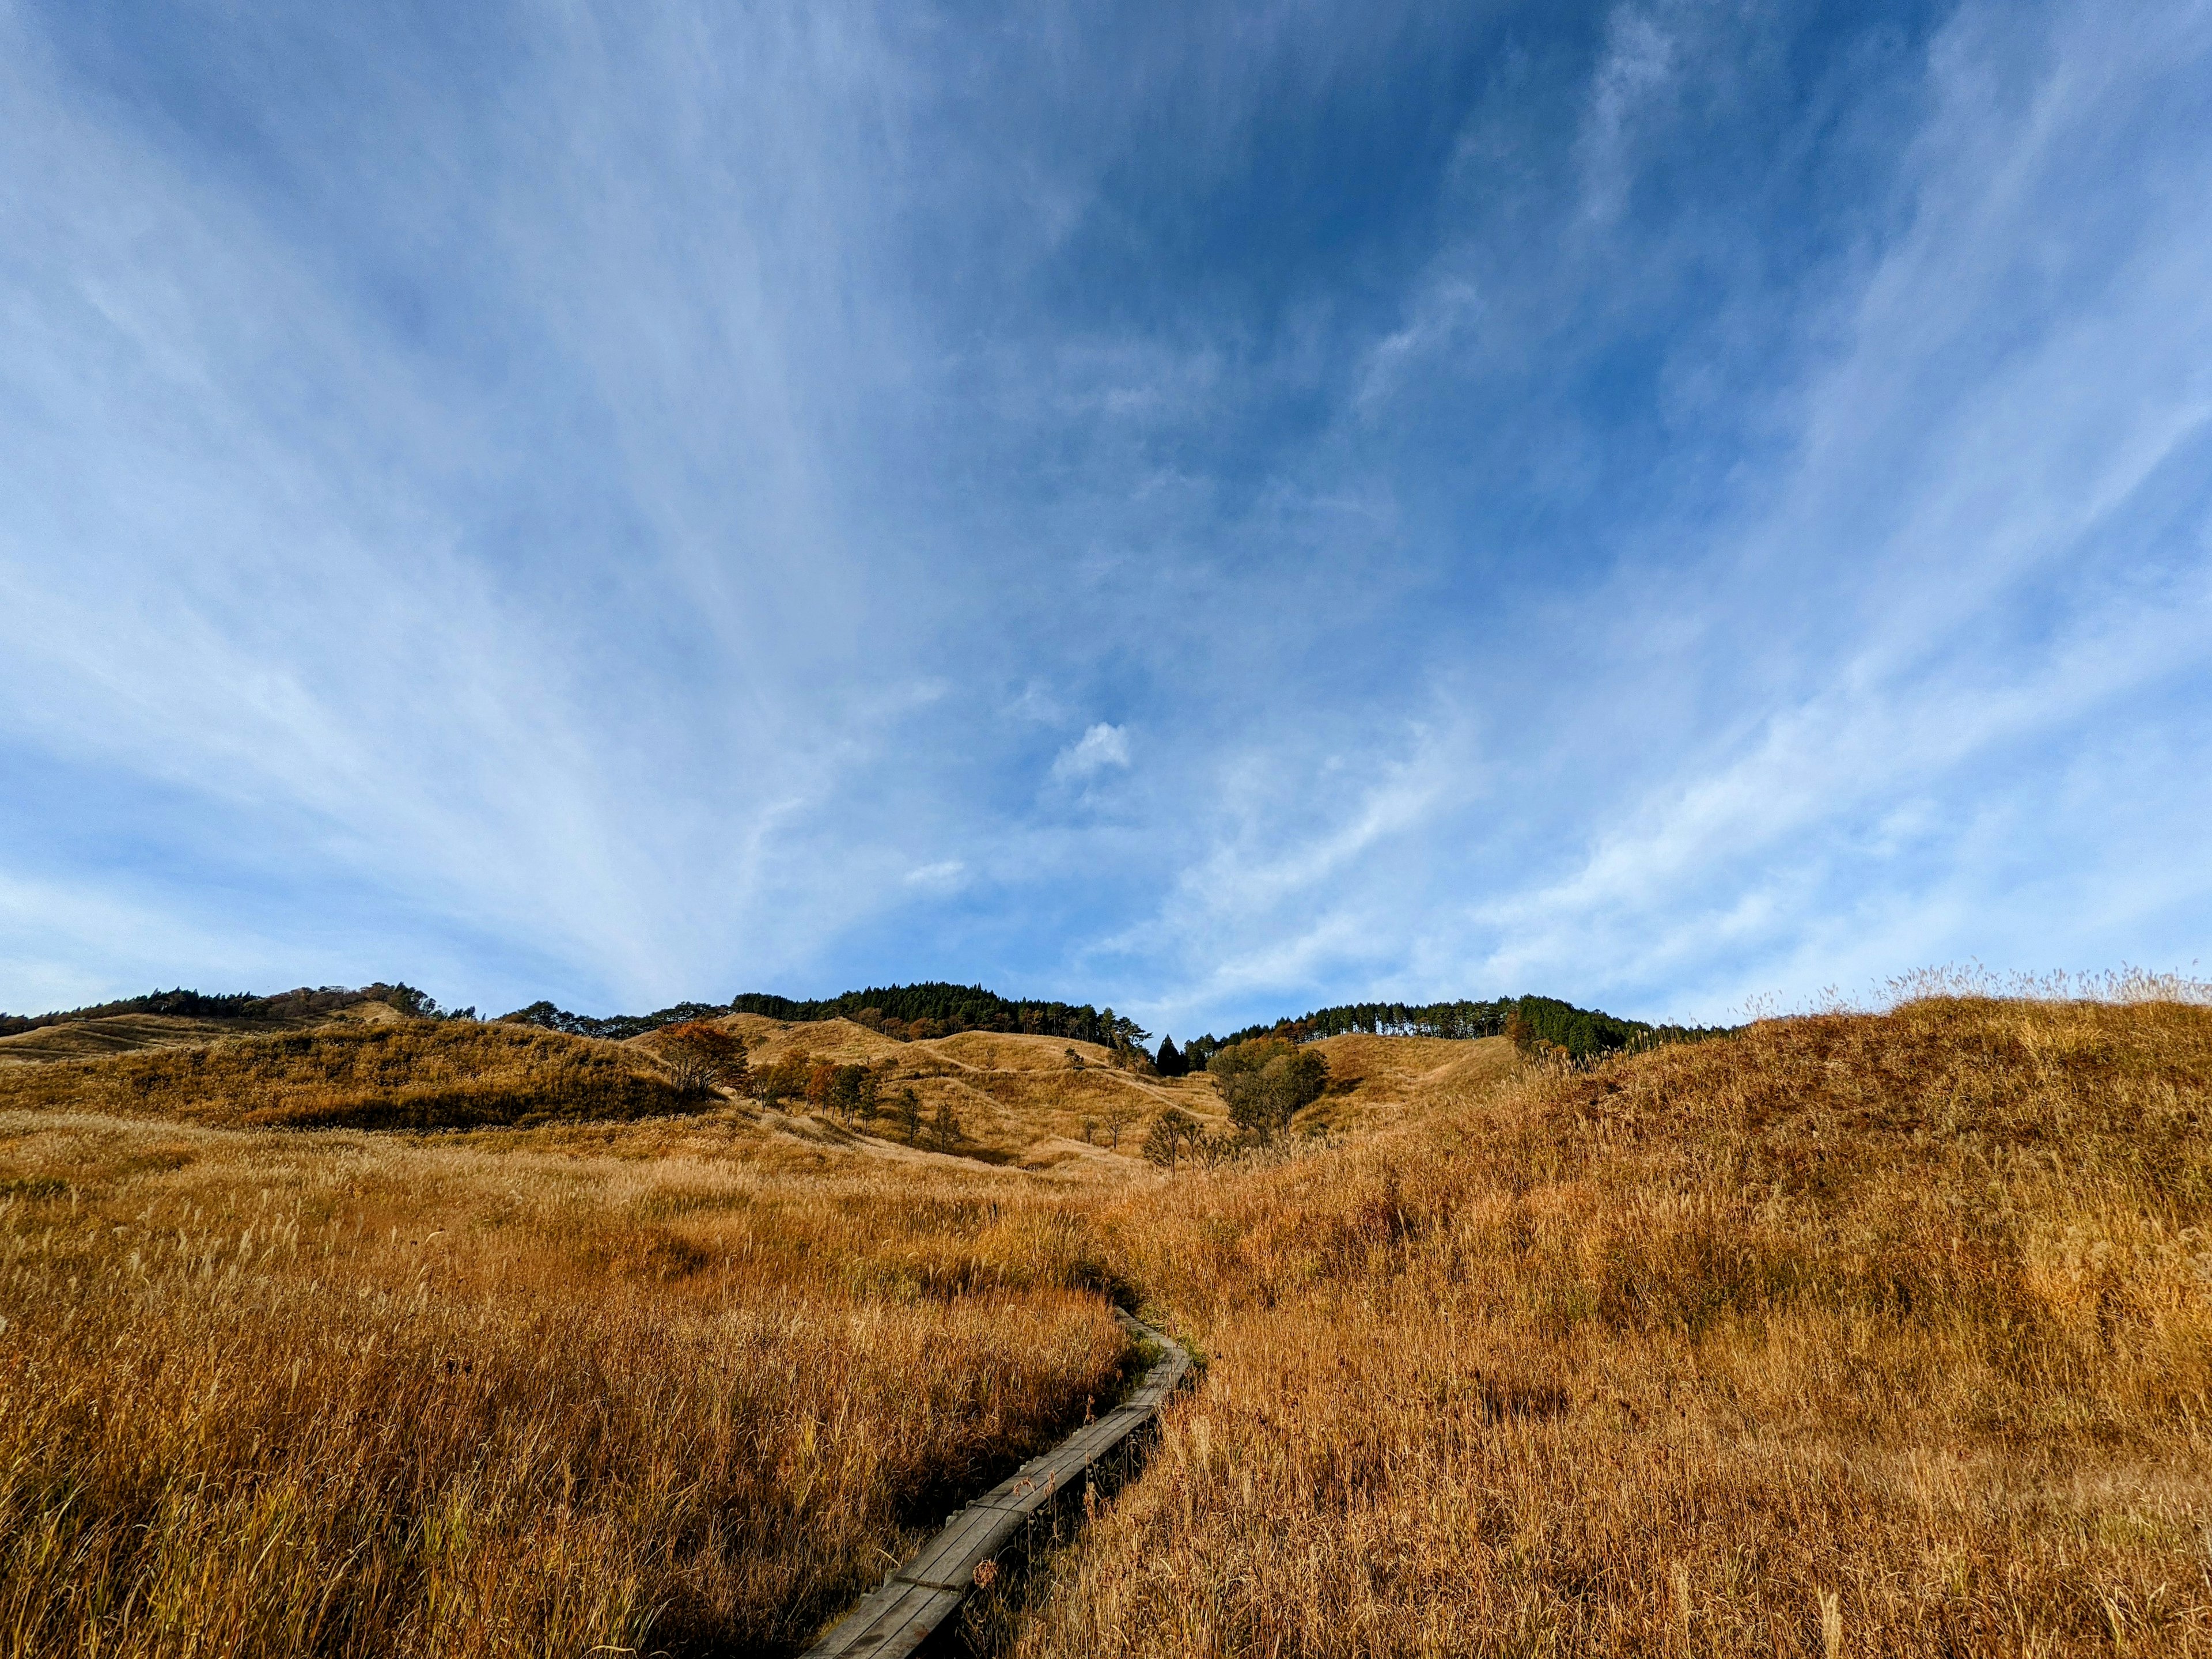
938	1008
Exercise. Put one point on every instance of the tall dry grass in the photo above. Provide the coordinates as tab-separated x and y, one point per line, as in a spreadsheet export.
1849	1334
336	1394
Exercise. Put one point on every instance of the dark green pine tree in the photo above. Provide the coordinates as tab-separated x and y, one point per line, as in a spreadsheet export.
1169	1060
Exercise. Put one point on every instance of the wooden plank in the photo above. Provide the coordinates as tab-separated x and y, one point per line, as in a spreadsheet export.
889	1624
948	1560
893	1620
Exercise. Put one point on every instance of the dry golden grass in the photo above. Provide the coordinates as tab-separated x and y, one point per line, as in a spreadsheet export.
1852	1334
1378	1082
1016	1099
1849	1334
116	1034
273	1393
403	1075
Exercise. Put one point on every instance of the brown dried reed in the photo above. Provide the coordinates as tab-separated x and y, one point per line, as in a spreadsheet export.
1849	1334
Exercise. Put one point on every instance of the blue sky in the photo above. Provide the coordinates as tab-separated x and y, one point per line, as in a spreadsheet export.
1214	510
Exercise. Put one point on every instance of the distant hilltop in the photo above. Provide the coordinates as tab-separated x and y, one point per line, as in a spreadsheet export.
935	1008
181	1004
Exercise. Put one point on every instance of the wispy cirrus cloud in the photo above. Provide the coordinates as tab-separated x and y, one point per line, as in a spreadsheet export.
1647	503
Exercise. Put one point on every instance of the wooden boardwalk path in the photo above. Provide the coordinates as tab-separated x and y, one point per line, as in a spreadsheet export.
893	1620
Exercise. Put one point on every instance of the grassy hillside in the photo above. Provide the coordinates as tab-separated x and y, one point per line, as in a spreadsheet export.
405	1074
1017	1098
99	1036
1842	1335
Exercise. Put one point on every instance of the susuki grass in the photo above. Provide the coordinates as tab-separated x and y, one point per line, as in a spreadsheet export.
1849	1334
264	1394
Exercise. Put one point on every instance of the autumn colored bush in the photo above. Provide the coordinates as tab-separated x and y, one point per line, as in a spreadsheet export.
703	1057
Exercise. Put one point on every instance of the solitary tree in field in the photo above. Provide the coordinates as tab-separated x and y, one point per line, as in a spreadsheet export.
909	1114
1119	1117
945	1128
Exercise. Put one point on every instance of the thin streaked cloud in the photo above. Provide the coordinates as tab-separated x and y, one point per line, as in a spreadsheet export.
1213	510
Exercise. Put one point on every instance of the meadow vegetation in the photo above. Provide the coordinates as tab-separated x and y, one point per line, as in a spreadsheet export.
266	1393
1840	1335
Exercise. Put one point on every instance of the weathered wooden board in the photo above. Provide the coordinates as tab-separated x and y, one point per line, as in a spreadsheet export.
892	1620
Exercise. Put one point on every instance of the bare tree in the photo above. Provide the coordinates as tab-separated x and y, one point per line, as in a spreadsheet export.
1174	1132
1119	1117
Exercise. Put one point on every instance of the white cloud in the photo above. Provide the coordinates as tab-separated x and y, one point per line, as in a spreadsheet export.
1633	77
1100	747
1440	314
608	530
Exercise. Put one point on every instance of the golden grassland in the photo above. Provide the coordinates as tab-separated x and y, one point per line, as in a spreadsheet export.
1016	1099
265	1392
1846	1334
1849	1334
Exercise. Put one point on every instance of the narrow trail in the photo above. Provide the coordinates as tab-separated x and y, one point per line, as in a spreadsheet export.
894	1619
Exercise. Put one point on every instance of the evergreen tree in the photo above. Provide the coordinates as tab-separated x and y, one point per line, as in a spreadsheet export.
1169	1060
